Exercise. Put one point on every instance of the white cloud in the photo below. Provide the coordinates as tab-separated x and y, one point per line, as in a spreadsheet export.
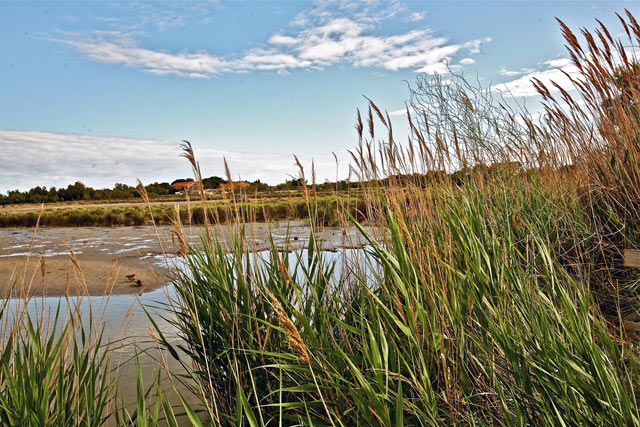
160	15
321	37
560	62
438	67
402	112
523	86
513	73
509	73
32	158
551	71
416	16
126	52
280	39
467	61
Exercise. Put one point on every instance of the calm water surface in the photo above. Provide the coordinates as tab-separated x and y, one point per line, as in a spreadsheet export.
126	323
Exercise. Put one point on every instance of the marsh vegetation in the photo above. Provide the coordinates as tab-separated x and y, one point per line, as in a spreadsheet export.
492	289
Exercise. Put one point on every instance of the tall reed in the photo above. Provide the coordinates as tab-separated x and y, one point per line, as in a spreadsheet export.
487	293
55	369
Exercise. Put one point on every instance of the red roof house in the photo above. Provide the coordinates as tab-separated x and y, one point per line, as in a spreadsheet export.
183	184
187	187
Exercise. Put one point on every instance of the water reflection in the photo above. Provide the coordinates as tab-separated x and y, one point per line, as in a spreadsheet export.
127	326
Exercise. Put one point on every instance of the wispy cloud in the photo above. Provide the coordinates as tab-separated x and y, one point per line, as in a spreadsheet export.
401	112
159	15
513	73
555	70
318	38
125	51
416	16
31	158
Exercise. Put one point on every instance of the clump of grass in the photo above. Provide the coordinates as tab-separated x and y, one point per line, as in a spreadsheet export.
486	326
479	301
597	130
52	371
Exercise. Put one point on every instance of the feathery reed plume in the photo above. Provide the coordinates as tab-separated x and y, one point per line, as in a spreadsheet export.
67	283
25	291
177	232
313	182
303	181
78	271
378	112
191	157
43	268
595	132
234	200
113	274
293	336
359	125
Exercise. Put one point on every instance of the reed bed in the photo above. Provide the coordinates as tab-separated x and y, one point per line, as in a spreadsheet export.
55	367
493	291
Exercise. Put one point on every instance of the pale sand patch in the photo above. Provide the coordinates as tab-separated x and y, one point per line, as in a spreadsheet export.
115	252
95	276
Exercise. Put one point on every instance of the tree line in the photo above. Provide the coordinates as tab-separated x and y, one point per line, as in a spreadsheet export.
80	191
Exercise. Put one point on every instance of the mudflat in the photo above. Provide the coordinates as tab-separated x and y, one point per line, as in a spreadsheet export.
97	260
60	275
89	260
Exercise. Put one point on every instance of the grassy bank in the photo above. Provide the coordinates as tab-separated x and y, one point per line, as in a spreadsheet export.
267	209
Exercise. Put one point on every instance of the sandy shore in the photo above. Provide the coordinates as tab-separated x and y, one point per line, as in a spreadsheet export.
106	255
92	276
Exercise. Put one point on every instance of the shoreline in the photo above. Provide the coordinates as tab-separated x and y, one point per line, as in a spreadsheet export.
89	276
105	255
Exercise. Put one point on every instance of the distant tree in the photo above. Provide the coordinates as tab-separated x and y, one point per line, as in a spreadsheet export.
17	196
123	191
77	191
258	185
53	195
158	188
292	184
213	182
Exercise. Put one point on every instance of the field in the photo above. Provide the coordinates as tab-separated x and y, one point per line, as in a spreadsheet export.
263	206
492	290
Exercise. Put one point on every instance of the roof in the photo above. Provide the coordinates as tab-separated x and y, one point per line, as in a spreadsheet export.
182	184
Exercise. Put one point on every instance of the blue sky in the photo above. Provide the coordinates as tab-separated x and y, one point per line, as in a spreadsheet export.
104	92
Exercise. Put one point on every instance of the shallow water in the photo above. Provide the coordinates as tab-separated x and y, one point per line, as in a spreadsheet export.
149	241
124	320
126	329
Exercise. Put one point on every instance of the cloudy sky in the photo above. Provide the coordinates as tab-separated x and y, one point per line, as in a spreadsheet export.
104	92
